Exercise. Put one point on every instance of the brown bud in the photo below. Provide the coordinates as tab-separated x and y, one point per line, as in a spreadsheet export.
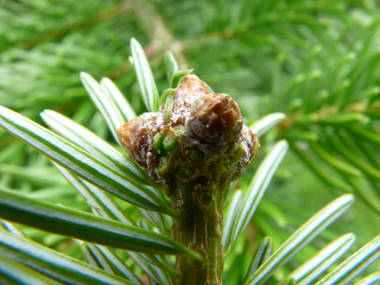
190	90
216	118
136	136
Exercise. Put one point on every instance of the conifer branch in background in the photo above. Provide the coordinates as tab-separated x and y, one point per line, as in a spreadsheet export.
304	73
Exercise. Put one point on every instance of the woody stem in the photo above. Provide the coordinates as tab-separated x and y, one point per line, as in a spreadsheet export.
201	231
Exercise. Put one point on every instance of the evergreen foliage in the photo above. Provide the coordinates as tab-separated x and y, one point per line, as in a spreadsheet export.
305	73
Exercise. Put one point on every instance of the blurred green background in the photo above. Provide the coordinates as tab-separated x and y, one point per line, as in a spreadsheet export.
295	57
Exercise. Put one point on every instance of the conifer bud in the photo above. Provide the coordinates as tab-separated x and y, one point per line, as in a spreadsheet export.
204	133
